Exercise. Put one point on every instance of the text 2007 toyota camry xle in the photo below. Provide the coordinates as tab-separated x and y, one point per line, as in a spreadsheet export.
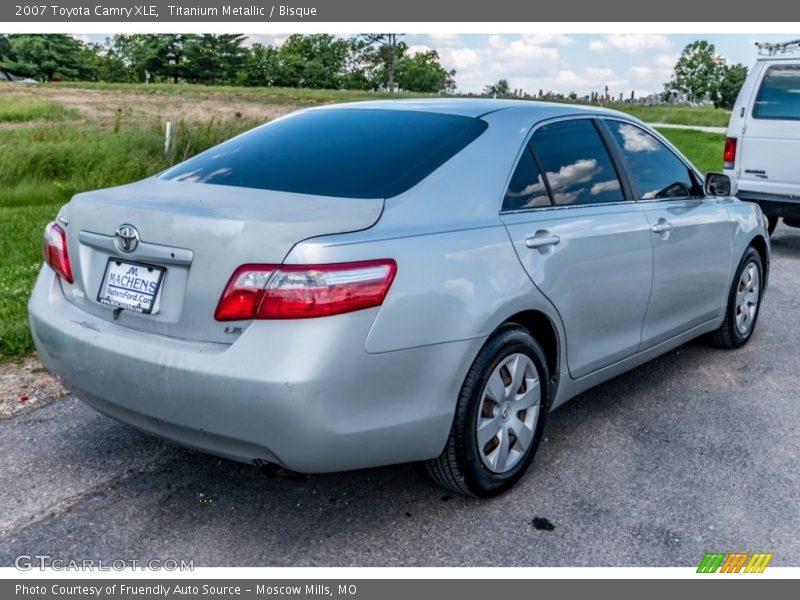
376	283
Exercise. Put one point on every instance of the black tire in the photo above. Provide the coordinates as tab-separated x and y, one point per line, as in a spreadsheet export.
772	223
460	468
792	222
728	335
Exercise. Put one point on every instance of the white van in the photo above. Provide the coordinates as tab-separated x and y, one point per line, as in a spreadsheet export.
762	149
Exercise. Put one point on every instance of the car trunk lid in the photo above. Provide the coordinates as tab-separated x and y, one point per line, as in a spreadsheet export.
199	234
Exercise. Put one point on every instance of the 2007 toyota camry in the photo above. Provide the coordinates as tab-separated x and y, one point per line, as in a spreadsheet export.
382	282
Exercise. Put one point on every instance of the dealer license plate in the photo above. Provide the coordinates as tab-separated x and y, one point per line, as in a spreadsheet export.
132	286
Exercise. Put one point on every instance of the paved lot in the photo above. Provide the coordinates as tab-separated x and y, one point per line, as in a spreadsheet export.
695	452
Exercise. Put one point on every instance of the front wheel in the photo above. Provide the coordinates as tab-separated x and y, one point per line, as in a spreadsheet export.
744	302
499	417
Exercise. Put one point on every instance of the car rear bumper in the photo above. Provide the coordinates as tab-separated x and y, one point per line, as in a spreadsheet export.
773	205
303	394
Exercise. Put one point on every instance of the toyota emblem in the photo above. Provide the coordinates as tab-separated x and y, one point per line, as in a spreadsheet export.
126	238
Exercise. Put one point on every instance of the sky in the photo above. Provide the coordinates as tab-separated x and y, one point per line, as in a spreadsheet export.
565	63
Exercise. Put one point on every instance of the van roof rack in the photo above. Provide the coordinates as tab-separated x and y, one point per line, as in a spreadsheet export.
771	49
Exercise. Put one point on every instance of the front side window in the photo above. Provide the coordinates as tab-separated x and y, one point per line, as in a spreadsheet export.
656	171
779	94
576	163
526	189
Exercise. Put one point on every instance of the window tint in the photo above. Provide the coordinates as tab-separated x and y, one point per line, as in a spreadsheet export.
656	171
527	189
576	163
779	94
353	153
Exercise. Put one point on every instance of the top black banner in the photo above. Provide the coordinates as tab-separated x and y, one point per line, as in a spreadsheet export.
255	11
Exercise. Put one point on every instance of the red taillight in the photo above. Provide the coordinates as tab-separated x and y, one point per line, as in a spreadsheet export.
304	291
729	153
54	248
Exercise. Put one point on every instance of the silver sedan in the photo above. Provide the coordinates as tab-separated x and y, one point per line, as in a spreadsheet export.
384	282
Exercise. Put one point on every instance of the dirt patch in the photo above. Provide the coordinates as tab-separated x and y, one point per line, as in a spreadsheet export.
109	106
26	385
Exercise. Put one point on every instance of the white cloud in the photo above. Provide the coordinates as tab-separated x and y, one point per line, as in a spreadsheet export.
460	59
418	49
602	187
443	40
666	60
581	171
544	39
265	39
629	42
640	72
636	140
522	60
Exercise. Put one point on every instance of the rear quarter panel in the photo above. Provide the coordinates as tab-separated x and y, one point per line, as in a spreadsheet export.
458	275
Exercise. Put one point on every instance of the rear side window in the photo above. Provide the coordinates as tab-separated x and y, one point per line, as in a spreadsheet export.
352	153
576	163
655	169
779	94
527	188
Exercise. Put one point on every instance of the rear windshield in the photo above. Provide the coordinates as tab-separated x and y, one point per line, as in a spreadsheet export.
352	153
779	95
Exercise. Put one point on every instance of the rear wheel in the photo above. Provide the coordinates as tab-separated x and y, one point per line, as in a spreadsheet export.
499	417
772	223
744	302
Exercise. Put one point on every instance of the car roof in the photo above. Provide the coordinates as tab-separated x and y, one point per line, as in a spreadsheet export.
478	107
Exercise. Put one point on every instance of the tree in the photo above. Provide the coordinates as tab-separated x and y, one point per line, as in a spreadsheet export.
698	72
499	89
261	65
732	80
213	59
45	57
384	49
423	73
314	61
5	48
158	55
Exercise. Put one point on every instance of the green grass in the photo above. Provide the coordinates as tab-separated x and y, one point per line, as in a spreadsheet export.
703	149
49	152
677	115
44	164
20	260
13	110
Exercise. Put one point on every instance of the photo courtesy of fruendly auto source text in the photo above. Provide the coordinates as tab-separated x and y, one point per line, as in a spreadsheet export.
361	300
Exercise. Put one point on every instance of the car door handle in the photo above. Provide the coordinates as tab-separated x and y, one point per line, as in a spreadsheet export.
662	226
542	239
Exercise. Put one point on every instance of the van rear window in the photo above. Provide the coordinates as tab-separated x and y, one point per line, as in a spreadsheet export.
349	152
779	94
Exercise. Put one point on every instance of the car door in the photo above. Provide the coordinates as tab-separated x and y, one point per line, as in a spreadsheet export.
690	233
769	143
585	245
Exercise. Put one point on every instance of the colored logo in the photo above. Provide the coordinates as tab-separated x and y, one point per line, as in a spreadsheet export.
735	562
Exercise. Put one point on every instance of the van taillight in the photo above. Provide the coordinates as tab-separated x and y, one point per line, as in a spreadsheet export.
54	248
729	153
304	291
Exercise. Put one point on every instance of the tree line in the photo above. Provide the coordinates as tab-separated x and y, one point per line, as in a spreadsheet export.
363	62
699	75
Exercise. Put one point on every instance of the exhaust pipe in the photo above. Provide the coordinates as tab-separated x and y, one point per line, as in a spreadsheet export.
275	471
